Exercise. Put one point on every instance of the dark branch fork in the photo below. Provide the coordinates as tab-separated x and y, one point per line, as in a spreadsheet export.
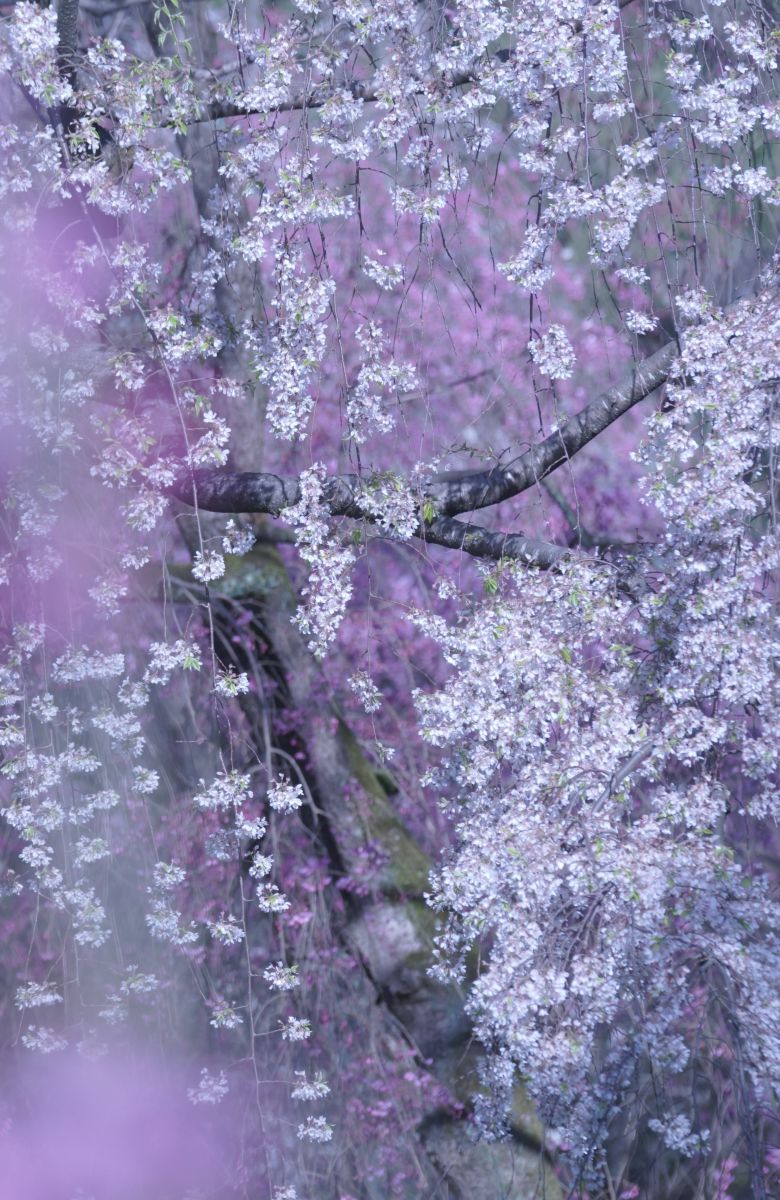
350	495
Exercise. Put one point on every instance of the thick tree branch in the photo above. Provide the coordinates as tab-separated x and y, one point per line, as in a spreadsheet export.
348	495
220	110
64	115
492	487
262	492
67	34
489	543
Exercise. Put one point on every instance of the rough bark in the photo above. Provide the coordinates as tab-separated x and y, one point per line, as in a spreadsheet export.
391	932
